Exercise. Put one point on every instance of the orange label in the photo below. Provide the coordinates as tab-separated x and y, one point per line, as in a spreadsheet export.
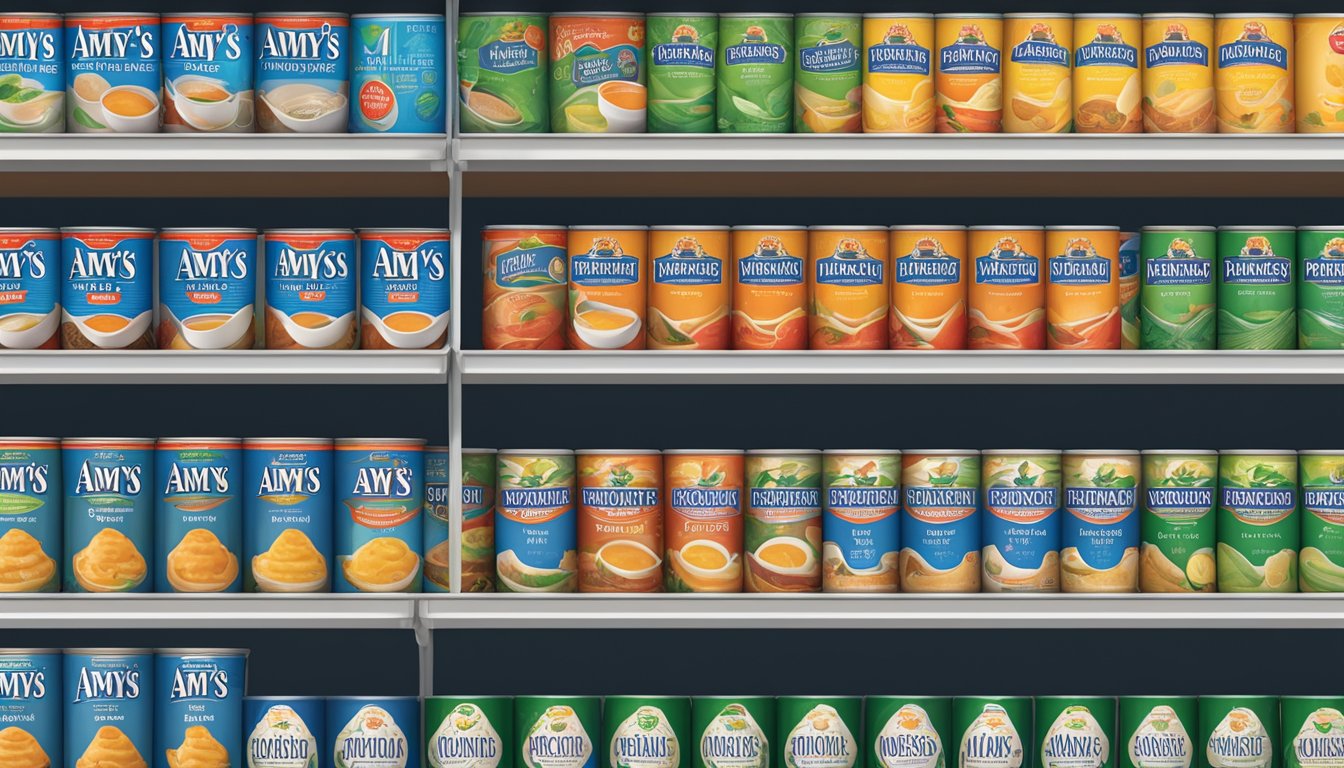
1083	297
969	81
704	522
620	522
607	291
928	289
847	278
769	288
1006	292
524	289
689	294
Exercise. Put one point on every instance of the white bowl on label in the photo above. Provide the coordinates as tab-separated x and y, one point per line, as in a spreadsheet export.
204	115
307	108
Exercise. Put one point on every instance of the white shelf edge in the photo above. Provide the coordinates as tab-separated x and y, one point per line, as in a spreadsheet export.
159	611
420	366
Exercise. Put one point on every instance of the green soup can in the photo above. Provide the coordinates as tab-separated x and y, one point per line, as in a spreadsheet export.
1238	732
682	48
1313	731
478	521
1075	732
783	521
1257	300
501	69
819	731
1176	521
755	73
827	79
1155	731
557	731
1258	522
1321	561
907	731
733	731
1177	299
598	73
1320	287
646	732
1130	255
992	731
469	732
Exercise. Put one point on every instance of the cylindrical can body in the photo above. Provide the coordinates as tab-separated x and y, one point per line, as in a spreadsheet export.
819	731
1238	732
397	73
1177	526
469	732
1083	291
502	68
690	292
1099	549
302	76
198	713
109	706
992	731
703	521
1318	43
783	521
1021	530
310	289
682	47
557	731
207	73
1320	286
733	731
1107	87
597	73
907	731
373	731
1255	73
1157	731
107	298
1075	732
113	72
770	300
1178	95
969	79
40	65
897	73
287	514
31	530
199	514
525	287
848	281
32	706
404	288
646	732
1322	555
478	522
827	81
1037	85
1178	299
928	287
380	488
109	514
1257	299
1259	523
207	288
754	71
620	517
1130	250
284	731
536	533
1312	727
436	549
30	284
1007	291
861	529
608	287
940	521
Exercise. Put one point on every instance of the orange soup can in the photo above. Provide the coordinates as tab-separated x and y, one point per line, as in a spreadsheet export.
847	279
969	80
928	287
1319	47
1038	92
1083	293
1254	73
620	521
524	287
703	521
1178	73
1107	85
608	267
769	287
1007	289
690	293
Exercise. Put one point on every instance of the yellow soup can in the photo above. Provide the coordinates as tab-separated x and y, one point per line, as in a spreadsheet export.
1254	72
1320	72
1038	92
1107	89
1178	73
969	72
897	73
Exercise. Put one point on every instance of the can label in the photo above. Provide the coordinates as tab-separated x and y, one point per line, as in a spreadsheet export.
284	734
310	290
404	289
928	291
536	536
991	741
382	734
1258	524
704	522
109	517
940	523
1320	289
1240	740
608	289
382	490
1161	740
1178	296
465	739
1178	523
782	523
1257	298
827	80
302	73
200	516
733	739
1319	61
968	80
109	708
1083	291
207	73
1322	555
397	76
861	529
1255	74
909	740
1107	90
501	63
755	74
1076	740
1178	75
478	525
822	739
31	708
113	74
199	709
524	289
107	299
30	289
207	289
849	287
287	505
645	739
1130	247
1022	529
30	507
681	73
770	299
620	523
1036	77
897	74
1007	296
689	291
597	74
1319	742
558	740
32	73
1100	544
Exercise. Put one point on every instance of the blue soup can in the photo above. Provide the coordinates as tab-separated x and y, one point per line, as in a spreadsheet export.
287	514
380	487
198	717
374	731
30	514
30	285
109	706
207	72
109	513
32	65
107	297
284	731
199	513
30	706
397	75
404	288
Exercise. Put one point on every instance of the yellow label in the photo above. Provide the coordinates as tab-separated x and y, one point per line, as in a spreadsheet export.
1178	74
1107	92
898	74
969	79
1255	73
1320	74
1038	94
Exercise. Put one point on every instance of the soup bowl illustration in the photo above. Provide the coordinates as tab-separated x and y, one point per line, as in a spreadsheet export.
306	108
216	331
204	103
130	109
604	326
28	330
112	331
315	330
408	329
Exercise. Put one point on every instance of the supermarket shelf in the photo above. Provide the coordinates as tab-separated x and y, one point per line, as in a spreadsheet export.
73	611
428	366
901	367
982	611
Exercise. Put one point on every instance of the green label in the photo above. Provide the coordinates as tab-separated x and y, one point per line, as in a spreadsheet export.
1075	732
755	74
1178	297
820	732
907	731
1313	731
828	83
782	527
681	73
733	732
1257	299
1258	523
1238	732
597	86
1322	556
469	733
646	732
992	732
1177	523
501	63
1157	732
1320	289
478	522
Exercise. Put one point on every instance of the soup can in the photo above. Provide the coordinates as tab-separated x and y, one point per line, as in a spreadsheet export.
703	526
437	546
690	292
928	287
207	72
1021	531
969	80
107	299
372	731
199	512
1321	559
478	520
940	520
770	301
907	731
1178	300
608	287
1082	306
525	287
827	81
310	289
404	288
783	521
30	287
1037	89
32	706
1130	250
1259	521
897	73
1320	287
198	709
558	731
501	67
1157	731
1312	727
113	72
1239	730
32	58
380	483
620	519
1178	95
1319	47
755	72
397	73
1257	293
681	72
287	514
109	513
207	288
1100	542
1076	731
469	732
284	731
993	730
1007	293
1254	73
1107	85
733	731
109	706
821	731
861	533
302	75
536	528
598	73
1177	522
848	279
646	731
30	497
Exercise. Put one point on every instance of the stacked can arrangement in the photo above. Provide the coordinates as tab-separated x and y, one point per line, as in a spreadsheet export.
787	521
222	73
93	288
102	515
916	287
1104	73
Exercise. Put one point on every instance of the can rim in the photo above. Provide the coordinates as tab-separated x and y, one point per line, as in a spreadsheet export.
705	451
110	14
745	15
1107	15
430	16
928	227
821	15
86	651
371	698
865	451
172	440
208	15
1322	15
21	439
898	15
41	230
1254	16
538	451
310	231
1255	452
763	227
276	440
680	14
87	440
26	651
402	230
504	13
1006	227
1249	228
1321	452
702	227
81	230
284	698
438	449
605	227
206	230
843	228
1170	15
1318	228
1177	451
314	14
618	451
968	16
30	15
1038	15
488	227
479	450
203	651
1020	452
381	441
1081	227
1100	452
936	451
1177	228
783	451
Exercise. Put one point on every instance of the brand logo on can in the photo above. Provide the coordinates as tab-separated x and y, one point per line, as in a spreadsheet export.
928	264
1108	48
1177	48
1328	267
1080	265
770	264
1026	505
466	739
1040	48
605	263
1008	264
1257	264
755	48
683	50
1180	265
1260	506
849	264
899	53
833	53
1253	47
969	54
101	685
688	264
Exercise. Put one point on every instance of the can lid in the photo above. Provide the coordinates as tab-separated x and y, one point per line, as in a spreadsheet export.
1099	452
1006	227
968	16
865	451
782	451
311	14
109	651
204	651
503	13
322	441
311	231
1107	15
411	16
1020	452
612	227
1178	451
26	651
1319	16
843	228
702	227
79	230
436	449
12	440
893	15
761	227
238	440
598	14
1254	16
1169	228
617	451
207	15
286	698
206	230
1339	228
30	15
372	698
380	441
478	451
33	230
1147	16
557	227
1256	452
1249	228
146	441
704	451
1098	227
928	227
1037	15
538	451
686	14
941	451
111	14
1321	452
823	15
755	15
369	231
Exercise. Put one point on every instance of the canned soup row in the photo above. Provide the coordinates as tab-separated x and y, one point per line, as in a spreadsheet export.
222	73
221	514
94	288
913	287
1100	73
789	521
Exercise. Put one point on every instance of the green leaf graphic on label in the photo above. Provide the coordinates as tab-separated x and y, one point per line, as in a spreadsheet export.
18	504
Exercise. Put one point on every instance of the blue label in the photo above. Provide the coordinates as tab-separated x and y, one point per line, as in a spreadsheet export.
108	695
1327	501
400	59
306	273
380	494
507	57
850	268
1107	49
682	55
286	492
754	53
528	267
1177	52
917	269
1023	523
284	732
1253	48
122	52
1180	265
35	51
382	731
30	478
592	66
204	274
1007	267
1101	524
595	269
30	280
832	57
198	691
219	49
405	273
199	506
1244	270
1129	256
302	49
970	55
862	522
108	274
109	512
1041	52
1079	270
1194	502
30	699
941	524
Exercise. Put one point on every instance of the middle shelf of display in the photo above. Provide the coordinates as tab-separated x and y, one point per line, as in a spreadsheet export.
207	611
250	366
